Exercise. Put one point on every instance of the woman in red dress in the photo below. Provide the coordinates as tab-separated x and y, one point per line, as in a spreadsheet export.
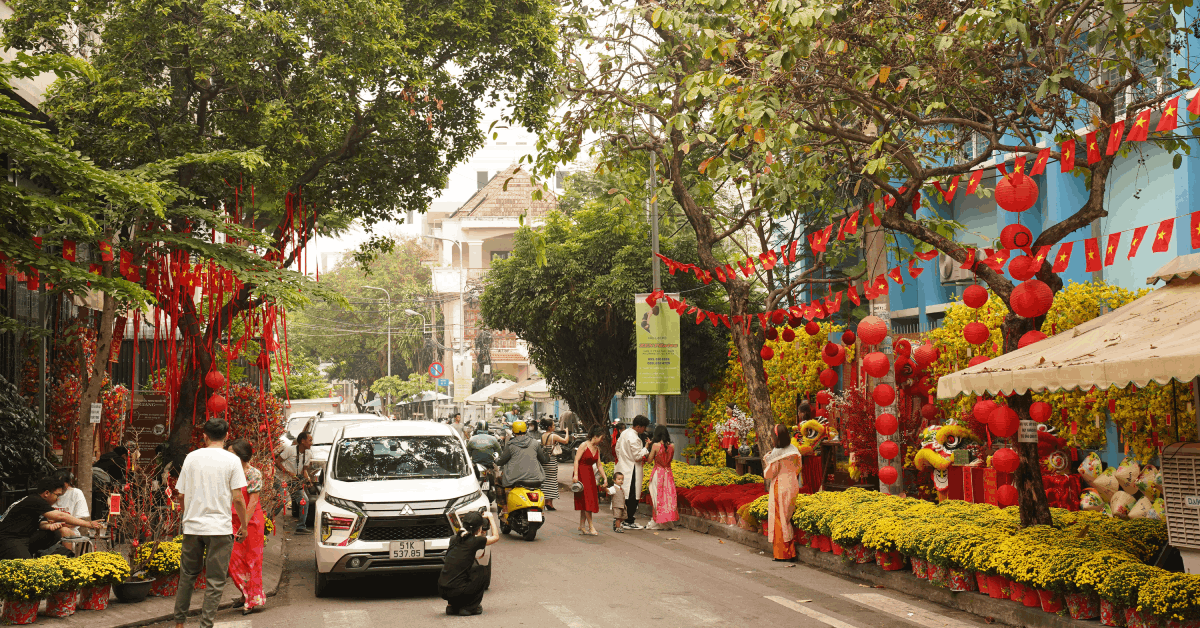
587	464
246	560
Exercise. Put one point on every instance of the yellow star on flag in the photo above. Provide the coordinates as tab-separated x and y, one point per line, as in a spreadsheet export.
1091	255
1062	258
1160	235
1139	122
1111	248
1170	111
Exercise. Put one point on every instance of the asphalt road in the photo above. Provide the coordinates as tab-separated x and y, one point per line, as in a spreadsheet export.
639	578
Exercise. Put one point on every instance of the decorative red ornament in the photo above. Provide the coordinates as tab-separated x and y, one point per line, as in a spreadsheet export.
831	349
1016	237
976	333
1006	495
848	338
884	394
1029	338
888	450
788	335
795	322
215	380
872	330
1005	460
823	397
837	359
1016	193
982	410
888	475
926	354
876	364
771	334
263	362
217	404
904	368
697	395
1040	411
1022	268
821	412
829	378
886	424
902	347
975	296
977	360
929	411
767	353
812	328
1003	422
778	317
1031	299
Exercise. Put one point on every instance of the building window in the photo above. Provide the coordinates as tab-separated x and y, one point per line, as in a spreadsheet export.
500	255
974	145
560	179
481	179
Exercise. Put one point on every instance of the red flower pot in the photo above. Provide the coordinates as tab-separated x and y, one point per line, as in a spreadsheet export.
801	538
822	543
94	598
62	604
890	561
1050	601
981	579
838	550
1082	605
1111	614
764	528
165	586
20	612
920	568
1177	623
1031	598
961	580
1140	619
201	581
998	587
938	575
862	554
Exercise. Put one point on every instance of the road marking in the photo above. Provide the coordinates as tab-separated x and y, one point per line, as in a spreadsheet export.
565	615
907	612
688	607
804	610
346	619
245	623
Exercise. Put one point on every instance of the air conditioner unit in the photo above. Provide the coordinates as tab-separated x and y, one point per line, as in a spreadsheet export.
1181	492
950	272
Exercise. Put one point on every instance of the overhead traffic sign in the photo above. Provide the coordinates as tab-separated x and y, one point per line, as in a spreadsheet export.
436	370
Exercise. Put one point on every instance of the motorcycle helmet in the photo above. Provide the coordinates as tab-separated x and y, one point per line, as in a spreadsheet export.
518	427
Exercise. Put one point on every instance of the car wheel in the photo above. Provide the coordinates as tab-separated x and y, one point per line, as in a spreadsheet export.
321	584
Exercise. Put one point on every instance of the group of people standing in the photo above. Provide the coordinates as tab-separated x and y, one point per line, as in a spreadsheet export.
631	452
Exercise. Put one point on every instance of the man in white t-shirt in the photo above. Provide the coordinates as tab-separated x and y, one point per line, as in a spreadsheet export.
209	482
293	461
71	502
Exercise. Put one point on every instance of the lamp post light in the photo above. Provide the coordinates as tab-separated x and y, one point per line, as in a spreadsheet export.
387	412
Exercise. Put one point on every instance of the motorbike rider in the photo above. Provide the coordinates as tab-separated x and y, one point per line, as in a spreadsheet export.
484	448
522	459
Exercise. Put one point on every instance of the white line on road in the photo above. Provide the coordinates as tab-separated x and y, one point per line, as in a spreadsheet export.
565	615
688	607
245	623
346	619
908	612
804	610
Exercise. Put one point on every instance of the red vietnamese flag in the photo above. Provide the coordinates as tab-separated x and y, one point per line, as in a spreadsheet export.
973	182
1195	230
852	223
95	269
1067	159
927	255
1140	127
852	292
1115	133
1063	258
1093	150
1018	165
881	285
1138	234
1091	248
1041	256
952	190
841	232
1170	116
792	252
896	276
1162	237
874	218
969	260
1039	164
106	252
913	271
68	251
1110	251
126	262
31	279
1194	105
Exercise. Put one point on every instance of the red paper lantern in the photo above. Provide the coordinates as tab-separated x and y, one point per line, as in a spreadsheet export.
848	338
926	354
1031	299
902	347
812	328
888	475
929	411
982	410
837	359
1003	422
1006	495
771	334
977	360
975	296
215	380
767	353
829	378
697	395
821	412
1022	268
876	364
1016	193
831	349
1029	338
823	397
788	334
1005	460
1016	237
872	330
888	450
1040	411
778	317
795	322
976	333
886	424
884	394
217	404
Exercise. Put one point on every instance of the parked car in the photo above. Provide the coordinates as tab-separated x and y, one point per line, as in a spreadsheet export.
385	503
295	424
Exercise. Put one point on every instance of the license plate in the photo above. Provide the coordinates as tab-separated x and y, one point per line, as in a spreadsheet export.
535	516
407	549
485	486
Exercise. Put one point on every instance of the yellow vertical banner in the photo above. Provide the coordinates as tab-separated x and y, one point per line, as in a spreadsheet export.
658	355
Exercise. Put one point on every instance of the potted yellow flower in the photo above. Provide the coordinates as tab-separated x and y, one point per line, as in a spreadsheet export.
163	566
106	569
74	576
23	586
1174	598
1095	573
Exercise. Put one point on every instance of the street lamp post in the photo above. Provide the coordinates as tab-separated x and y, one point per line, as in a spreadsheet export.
462	321
388	411
415	313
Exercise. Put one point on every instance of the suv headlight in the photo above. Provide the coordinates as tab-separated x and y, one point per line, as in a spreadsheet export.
346	504
352	525
459	502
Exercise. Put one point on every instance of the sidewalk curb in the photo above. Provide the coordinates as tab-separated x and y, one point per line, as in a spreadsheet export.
1000	611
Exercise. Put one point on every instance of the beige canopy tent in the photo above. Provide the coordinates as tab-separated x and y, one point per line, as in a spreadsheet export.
481	396
1153	339
511	393
536	390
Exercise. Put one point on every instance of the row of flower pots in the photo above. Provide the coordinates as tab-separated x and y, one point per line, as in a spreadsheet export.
97	598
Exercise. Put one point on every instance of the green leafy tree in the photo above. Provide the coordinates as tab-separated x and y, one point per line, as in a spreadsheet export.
400	389
304	381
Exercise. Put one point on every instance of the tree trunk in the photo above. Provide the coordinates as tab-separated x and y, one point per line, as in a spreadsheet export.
1031	494
92	382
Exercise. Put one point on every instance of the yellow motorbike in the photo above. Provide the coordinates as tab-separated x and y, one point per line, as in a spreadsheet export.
523	513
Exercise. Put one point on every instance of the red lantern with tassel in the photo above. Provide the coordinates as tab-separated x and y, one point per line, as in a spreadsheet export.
1040	411
831	349
1016	237
217	404
926	354
872	330
888	475
1003	422
823	397
812	328
1022	268
1005	460
1006	496
977	360
976	333
876	364
778	317
772	334
215	380
886	424
848	338
982	410
788	335
889	450
1029	338
1031	299
1016	192
975	296
767	353
929	411
883	395
829	378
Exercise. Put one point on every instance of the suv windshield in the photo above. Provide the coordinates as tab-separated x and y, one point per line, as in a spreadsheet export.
394	458
324	432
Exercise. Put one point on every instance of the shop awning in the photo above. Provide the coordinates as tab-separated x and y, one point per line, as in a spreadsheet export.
536	390
481	396
1153	339
511	393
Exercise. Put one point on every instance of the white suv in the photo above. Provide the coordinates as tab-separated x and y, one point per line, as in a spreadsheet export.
388	489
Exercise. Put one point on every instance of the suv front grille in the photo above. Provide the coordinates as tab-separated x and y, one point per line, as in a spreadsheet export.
406	528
